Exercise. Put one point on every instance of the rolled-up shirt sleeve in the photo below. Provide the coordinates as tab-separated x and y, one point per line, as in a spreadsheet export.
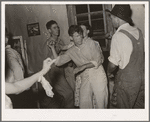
114	51
62	59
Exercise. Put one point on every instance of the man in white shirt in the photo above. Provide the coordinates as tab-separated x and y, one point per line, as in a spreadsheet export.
14	61
127	53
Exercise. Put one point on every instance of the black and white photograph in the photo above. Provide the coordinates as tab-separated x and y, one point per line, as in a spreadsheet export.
85	61
16	43
33	29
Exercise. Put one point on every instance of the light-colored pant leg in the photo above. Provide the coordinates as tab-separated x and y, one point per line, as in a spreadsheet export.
98	81
85	93
101	95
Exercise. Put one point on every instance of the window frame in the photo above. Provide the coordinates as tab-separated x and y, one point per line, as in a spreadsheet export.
72	19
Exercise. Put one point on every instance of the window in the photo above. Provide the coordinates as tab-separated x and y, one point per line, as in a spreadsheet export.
94	15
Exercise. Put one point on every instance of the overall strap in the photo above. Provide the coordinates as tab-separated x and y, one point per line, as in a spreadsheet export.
129	35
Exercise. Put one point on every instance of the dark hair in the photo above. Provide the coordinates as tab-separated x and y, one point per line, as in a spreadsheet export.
6	65
10	39
6	33
88	27
50	23
11	42
73	29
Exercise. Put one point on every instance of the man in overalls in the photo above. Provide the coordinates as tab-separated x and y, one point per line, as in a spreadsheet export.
127	52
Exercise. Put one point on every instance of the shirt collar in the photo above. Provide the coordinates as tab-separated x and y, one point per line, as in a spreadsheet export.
123	26
85	40
52	39
83	43
8	46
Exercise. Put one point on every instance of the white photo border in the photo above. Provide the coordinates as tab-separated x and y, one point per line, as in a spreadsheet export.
76	114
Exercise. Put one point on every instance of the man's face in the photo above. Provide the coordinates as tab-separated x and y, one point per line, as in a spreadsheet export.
114	21
54	30
6	40
17	47
85	31
77	38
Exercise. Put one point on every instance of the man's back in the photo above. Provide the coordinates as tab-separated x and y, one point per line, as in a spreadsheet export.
15	63
121	46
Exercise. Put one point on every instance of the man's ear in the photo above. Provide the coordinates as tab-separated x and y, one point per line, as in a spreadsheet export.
71	38
118	21
49	30
88	31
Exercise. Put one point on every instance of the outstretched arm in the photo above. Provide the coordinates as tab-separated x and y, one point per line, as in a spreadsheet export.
19	86
62	59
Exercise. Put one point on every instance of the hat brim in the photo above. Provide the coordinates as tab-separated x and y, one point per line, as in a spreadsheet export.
127	20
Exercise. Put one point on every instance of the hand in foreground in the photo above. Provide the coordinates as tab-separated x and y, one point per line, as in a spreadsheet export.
47	65
66	47
51	44
110	76
79	69
109	35
70	45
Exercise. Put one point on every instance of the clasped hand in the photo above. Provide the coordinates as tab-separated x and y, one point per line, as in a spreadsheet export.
47	65
110	76
51	44
79	69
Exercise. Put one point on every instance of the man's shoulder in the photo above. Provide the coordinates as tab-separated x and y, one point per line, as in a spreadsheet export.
87	41
52	39
12	53
71	49
10	50
129	29
91	41
118	35
60	41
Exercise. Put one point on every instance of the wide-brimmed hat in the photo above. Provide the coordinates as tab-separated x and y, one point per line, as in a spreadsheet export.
122	11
